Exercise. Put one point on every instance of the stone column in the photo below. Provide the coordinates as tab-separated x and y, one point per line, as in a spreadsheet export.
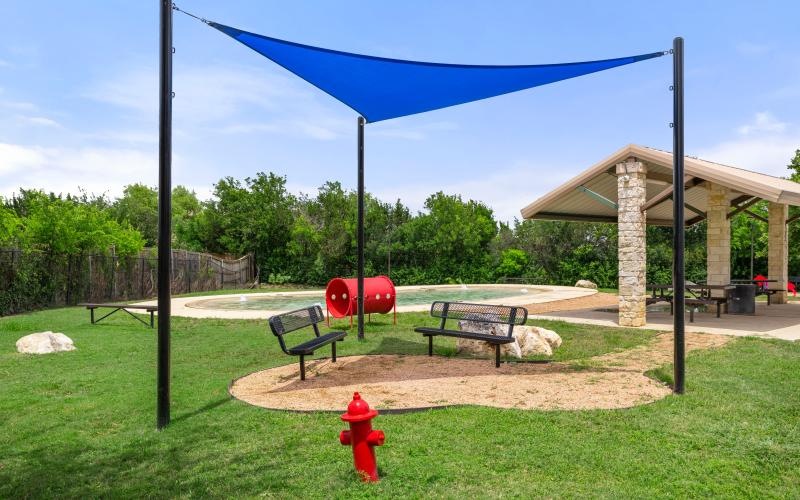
778	260
718	236
631	227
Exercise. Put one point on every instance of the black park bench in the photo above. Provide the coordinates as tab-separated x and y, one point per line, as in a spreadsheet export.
480	313
288	322
119	307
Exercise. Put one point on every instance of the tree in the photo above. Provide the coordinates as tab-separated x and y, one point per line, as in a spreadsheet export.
185	210
449	243
138	207
794	234
256	217
69	226
10	225
513	262
794	167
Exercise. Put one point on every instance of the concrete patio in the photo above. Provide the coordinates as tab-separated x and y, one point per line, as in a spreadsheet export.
780	321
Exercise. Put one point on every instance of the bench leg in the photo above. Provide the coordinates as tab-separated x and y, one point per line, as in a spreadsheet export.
719	307
691	315
497	355
91	313
671	308
151	319
769	299
333	352
302	367
430	345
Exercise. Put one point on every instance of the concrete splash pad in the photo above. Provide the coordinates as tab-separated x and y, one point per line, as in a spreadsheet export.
398	382
187	306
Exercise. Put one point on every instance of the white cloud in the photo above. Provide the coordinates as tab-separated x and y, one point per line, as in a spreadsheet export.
764	122
14	158
764	145
768	155
506	191
40	121
202	94
18	105
64	170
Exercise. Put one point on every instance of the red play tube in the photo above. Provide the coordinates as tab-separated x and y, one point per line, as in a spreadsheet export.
341	296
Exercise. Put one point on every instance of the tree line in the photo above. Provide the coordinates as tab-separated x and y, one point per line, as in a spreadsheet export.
310	239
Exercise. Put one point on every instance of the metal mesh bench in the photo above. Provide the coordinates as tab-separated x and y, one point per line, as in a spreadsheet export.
282	324
479	313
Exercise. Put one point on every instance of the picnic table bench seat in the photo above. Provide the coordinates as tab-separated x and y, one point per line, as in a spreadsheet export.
479	313
291	321
91	306
769	292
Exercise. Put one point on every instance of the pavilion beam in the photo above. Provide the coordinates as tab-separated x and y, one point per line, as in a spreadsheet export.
744	206
756	216
666	194
695	210
597	196
695	220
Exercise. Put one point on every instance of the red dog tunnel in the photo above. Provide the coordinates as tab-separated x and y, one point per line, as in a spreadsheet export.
341	296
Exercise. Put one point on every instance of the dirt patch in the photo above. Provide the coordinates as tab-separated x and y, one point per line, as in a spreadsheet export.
598	300
614	380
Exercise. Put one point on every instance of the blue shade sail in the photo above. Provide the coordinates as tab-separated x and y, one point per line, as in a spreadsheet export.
380	88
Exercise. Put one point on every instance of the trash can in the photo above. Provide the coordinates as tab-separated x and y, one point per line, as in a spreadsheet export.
742	300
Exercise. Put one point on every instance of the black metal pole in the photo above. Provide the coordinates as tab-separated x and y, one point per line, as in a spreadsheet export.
360	236
679	280
164	215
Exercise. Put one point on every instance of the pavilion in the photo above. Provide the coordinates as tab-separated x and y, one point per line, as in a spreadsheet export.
633	188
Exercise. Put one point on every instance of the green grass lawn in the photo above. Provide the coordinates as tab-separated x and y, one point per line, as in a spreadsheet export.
81	424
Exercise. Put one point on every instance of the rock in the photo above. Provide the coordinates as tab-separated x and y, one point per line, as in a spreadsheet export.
45	343
586	284
550	336
529	340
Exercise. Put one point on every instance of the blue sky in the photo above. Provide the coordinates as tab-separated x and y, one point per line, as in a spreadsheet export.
78	94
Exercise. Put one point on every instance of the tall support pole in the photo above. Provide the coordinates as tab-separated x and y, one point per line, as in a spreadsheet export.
679	280
164	215
360	236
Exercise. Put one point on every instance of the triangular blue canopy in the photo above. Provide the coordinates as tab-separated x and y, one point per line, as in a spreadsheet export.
380	89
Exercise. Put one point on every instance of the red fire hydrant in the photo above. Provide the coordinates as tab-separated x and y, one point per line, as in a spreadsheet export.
361	437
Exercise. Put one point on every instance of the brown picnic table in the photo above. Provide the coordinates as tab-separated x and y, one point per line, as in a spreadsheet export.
119	307
701	295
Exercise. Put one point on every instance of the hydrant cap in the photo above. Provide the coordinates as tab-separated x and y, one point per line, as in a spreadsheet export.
358	410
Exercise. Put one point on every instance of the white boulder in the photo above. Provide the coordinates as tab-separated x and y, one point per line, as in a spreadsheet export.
586	284
531	342
528	340
550	336
45	343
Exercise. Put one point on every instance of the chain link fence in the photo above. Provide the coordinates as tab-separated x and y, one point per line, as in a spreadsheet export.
32	280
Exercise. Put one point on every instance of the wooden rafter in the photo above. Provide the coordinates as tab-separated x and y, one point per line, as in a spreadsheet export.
744	206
